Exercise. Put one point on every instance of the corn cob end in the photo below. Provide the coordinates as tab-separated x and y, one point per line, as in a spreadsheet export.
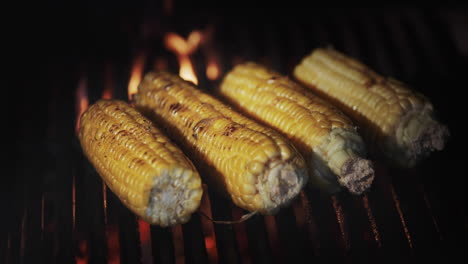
357	175
174	197
420	134
279	185
345	150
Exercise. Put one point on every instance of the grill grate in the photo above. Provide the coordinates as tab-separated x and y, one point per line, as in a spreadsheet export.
62	213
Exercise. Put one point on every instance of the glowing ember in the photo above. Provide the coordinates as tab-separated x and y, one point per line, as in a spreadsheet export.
207	227
81	100
113	245
136	75
145	240
183	49
82	258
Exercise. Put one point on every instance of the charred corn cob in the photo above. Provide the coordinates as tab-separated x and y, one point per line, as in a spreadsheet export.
396	120
148	173
257	167
326	137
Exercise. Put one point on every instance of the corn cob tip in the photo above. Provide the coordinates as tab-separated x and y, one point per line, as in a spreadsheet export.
280	184
434	137
357	175
421	134
174	197
345	151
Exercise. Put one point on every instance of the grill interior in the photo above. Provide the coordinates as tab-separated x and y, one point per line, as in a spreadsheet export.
57	210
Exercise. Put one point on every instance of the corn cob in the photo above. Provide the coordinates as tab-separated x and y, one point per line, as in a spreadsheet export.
397	121
325	136
148	173
258	168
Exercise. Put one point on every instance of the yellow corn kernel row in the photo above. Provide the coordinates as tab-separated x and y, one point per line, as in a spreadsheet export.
334	151
148	173
396	121
256	166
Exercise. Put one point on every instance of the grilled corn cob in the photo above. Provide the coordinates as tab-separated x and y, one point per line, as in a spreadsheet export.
396	120
148	173
257	167
325	136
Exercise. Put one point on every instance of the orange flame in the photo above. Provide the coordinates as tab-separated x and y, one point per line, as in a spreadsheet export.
81	101
108	91
136	75
212	69
183	49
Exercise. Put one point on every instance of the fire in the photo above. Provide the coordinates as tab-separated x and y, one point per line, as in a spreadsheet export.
81	100
136	75
212	69
108	91
183	49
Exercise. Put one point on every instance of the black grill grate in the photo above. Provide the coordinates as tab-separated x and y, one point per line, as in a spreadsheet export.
60	212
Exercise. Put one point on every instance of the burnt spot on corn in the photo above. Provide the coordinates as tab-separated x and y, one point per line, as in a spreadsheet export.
176	107
201	125
113	128
230	129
